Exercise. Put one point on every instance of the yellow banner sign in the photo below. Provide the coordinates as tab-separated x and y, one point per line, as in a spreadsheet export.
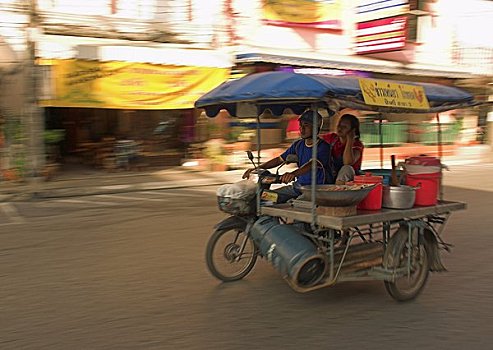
324	14
125	85
384	93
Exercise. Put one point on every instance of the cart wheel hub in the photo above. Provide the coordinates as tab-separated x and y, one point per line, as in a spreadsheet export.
231	251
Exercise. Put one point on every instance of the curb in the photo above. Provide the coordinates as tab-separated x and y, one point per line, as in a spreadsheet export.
59	193
75	187
78	186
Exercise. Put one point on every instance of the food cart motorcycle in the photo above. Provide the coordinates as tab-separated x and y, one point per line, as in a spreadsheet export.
299	239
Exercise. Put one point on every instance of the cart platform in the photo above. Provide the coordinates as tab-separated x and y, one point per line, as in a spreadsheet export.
363	217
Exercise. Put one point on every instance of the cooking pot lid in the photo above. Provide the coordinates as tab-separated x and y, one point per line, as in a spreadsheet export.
423	160
400	188
368	178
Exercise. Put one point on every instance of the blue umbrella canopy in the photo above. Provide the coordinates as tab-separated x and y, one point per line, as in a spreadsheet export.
278	91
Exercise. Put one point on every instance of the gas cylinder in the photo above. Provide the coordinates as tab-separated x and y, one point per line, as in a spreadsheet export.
295	256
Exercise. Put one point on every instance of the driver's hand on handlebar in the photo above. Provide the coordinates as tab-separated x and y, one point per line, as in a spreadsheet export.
287	177
246	174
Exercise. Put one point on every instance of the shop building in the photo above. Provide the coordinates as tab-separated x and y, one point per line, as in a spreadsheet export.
111	79
425	41
13	148
119	101
125	73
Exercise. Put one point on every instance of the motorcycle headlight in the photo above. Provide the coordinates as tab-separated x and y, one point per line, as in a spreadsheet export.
253	177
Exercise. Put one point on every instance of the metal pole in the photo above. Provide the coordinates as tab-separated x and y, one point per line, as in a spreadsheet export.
258	161
34	117
380	134
439	140
314	166
439	137
258	140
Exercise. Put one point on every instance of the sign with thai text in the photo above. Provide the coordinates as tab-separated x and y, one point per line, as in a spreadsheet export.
126	85
325	14
389	94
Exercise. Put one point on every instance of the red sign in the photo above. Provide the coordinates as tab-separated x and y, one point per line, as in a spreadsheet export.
387	34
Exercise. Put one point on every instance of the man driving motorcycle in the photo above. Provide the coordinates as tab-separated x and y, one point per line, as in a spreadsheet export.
302	148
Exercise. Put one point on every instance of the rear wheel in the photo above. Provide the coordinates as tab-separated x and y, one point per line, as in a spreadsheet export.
411	261
230	254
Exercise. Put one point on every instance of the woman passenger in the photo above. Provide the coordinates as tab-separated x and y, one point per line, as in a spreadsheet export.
347	149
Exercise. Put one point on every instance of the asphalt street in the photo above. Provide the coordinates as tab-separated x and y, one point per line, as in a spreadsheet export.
126	271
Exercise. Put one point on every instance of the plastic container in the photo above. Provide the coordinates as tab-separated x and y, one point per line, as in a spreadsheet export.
385	173
373	201
428	184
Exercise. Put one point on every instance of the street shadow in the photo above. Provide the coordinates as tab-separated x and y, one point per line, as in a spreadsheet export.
457	230
262	308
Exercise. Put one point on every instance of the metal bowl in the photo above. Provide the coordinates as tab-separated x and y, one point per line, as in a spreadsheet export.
344	196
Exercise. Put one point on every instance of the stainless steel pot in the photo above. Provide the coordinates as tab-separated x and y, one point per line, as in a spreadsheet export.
398	197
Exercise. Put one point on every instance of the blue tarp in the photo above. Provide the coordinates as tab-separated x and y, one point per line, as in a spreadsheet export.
278	91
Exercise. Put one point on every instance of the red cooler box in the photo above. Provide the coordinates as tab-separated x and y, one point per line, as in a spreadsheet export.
424	172
374	199
428	184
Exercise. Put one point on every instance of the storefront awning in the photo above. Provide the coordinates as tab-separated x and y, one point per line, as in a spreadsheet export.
120	74
322	61
155	55
438	71
105	50
358	63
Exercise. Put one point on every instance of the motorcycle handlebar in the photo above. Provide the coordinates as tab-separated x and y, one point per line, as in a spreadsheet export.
266	177
270	179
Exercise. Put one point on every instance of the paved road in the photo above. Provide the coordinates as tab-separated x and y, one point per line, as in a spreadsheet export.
13	213
127	271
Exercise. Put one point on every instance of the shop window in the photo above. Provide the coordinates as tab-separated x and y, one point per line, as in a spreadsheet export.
141	9
86	8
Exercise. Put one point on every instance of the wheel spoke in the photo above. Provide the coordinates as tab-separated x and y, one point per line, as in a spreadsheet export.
238	233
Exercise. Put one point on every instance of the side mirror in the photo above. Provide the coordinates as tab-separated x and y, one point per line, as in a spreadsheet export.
250	155
291	158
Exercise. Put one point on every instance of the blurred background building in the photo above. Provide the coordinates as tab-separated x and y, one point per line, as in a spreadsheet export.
111	84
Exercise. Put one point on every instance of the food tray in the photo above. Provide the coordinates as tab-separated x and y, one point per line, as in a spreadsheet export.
338	195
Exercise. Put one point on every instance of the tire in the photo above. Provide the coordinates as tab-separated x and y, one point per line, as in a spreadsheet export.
222	257
407	288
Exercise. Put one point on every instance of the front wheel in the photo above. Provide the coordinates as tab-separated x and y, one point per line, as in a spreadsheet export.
230	254
411	261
